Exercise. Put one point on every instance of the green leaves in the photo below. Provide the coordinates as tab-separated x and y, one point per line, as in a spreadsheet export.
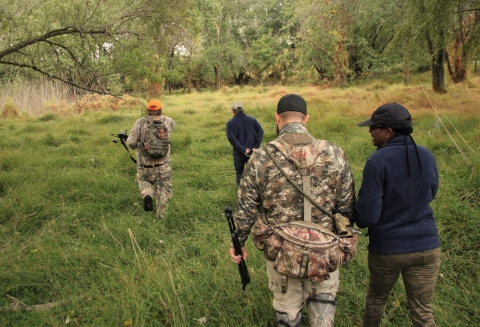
78	42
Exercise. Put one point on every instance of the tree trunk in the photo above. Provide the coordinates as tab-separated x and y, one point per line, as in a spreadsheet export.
406	76
438	72
458	72
218	81
341	62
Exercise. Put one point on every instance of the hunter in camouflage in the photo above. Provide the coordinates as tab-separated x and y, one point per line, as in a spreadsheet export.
153	174
265	194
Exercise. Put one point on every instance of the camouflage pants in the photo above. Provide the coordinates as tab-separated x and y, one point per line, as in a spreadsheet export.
419	271
299	292
156	182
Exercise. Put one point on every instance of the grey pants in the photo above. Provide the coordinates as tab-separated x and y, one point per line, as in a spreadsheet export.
419	271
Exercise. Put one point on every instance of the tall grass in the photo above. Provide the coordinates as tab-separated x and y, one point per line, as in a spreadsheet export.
73	232
34	98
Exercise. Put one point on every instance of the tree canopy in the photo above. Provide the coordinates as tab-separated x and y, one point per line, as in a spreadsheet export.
113	47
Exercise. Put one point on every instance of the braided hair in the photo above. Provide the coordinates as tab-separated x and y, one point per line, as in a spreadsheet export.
406	131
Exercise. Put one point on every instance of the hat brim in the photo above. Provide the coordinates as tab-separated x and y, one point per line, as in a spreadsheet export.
368	122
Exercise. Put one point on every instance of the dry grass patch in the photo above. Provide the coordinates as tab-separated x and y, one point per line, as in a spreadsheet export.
353	101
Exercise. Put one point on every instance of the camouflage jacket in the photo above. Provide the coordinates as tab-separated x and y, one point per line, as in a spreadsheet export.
265	190
138	136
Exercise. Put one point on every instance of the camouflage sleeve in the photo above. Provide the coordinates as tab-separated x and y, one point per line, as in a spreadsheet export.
248	198
346	190
171	124
133	137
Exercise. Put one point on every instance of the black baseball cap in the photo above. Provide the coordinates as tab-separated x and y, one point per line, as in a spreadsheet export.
390	114
292	102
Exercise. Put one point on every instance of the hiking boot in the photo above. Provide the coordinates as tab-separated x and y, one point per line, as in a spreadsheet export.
147	203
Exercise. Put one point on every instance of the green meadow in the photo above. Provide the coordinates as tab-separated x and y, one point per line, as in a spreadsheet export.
77	249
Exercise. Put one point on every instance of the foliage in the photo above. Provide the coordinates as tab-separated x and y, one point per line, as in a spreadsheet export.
73	230
9	110
324	36
88	44
143	47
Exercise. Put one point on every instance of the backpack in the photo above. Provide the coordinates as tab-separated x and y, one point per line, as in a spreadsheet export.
157	141
302	249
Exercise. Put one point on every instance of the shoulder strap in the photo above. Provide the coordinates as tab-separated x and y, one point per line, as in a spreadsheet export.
126	148
148	120
305	194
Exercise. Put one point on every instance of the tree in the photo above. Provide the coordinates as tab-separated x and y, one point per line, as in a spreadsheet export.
88	44
224	24
262	34
370	37
465	28
430	19
234	34
323	36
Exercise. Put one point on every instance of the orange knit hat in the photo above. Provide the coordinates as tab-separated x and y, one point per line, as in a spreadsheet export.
154	105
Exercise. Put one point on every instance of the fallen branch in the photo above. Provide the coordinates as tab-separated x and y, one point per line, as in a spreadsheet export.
20	306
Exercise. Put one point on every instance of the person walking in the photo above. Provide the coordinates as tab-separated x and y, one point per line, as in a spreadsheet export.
245	135
400	180
150	136
268	199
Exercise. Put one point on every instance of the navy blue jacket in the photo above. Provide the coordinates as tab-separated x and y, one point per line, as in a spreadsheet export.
394	206
244	132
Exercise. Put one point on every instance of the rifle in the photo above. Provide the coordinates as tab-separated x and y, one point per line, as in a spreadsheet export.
122	137
242	267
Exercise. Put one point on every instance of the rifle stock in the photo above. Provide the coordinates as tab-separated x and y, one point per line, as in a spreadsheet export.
242	267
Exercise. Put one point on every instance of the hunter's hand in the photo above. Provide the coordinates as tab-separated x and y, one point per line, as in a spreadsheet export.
238	258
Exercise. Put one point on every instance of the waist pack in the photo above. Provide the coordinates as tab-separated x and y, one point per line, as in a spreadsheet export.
157	142
302	249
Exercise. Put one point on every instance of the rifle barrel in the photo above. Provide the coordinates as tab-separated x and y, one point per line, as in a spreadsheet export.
242	266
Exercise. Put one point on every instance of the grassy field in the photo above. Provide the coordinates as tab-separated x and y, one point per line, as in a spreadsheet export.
75	241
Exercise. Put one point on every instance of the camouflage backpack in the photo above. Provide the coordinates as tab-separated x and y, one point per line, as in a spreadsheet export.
303	249
157	141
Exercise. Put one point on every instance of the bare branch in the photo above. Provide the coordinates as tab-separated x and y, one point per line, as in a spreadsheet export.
20	306
92	14
58	78
64	31
68	50
37	307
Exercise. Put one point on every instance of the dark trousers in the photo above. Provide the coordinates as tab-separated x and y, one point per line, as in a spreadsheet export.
419	271
239	164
